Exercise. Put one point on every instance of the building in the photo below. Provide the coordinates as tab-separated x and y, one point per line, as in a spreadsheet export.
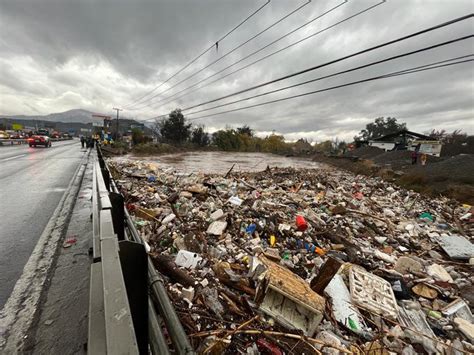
408	140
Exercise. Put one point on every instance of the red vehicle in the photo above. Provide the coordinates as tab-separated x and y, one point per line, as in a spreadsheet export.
39	139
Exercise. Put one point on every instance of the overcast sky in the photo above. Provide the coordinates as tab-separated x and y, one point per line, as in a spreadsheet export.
98	54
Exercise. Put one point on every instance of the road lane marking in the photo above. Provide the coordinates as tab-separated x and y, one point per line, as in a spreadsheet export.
14	157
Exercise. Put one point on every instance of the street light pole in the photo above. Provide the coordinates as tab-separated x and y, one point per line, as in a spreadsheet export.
117	133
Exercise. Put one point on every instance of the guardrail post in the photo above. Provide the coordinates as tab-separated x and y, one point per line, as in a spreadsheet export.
118	214
106	176
133	259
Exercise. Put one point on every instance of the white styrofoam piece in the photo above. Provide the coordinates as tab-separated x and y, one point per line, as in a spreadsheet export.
459	308
342	307
187	259
217	227
372	293
289	313
235	200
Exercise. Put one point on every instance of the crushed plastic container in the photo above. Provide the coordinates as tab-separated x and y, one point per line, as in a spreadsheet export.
301	223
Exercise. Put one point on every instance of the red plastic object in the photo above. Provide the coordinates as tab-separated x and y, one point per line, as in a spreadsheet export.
301	223
268	348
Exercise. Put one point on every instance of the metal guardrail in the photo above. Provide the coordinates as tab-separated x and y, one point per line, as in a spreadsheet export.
159	306
25	141
13	141
112	328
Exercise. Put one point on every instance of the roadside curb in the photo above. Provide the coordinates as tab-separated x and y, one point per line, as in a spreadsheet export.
21	309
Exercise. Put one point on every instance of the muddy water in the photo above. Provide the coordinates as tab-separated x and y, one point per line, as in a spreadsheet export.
221	162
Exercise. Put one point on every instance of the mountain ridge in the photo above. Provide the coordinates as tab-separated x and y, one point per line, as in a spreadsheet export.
70	116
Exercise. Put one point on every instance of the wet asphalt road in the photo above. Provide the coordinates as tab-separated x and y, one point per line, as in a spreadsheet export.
32	182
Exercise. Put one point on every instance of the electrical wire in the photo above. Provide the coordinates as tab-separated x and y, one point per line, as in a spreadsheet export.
364	51
389	75
200	55
403	38
228	53
340	72
247	56
174	97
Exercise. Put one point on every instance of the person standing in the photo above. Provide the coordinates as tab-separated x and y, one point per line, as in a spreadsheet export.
82	141
423	159
414	157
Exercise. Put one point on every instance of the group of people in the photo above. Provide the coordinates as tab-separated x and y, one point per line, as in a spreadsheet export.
414	158
88	142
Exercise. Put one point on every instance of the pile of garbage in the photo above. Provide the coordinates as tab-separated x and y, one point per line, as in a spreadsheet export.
306	261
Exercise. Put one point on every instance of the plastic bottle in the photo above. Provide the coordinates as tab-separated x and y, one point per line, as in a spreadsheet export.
251	228
301	223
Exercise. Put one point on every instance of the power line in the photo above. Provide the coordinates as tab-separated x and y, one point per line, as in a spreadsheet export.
389	75
200	55
174	97
255	52
364	51
226	54
339	73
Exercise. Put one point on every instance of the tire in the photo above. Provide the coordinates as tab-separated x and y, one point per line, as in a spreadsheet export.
31	145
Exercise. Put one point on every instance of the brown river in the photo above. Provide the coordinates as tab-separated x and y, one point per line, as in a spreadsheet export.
221	162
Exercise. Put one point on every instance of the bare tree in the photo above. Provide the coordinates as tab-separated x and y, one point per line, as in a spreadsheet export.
156	129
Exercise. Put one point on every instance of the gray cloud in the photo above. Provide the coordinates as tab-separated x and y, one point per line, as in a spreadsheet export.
62	54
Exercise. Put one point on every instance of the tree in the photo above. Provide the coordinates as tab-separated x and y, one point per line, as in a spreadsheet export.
156	129
380	127
438	134
324	147
137	136
227	140
275	144
199	136
245	130
174	129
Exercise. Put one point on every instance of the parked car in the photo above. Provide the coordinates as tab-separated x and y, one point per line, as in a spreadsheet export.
15	135
38	139
4	135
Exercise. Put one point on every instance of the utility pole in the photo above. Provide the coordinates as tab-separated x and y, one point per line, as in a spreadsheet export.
117	133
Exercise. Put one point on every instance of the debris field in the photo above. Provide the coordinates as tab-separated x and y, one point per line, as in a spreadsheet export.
306	261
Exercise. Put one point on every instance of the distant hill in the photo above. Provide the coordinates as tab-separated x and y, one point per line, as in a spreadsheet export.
76	115
77	120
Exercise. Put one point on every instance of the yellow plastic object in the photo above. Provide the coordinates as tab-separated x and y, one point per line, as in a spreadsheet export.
272	240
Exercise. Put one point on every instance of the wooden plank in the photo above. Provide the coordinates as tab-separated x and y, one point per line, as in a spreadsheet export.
325	275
